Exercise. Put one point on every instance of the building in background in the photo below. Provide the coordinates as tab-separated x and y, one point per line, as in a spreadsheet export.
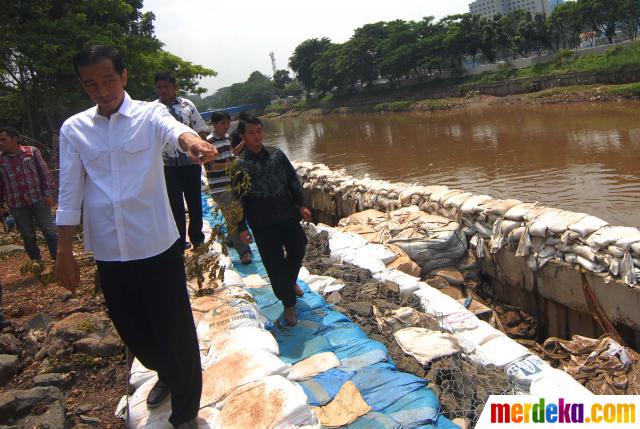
489	8
554	3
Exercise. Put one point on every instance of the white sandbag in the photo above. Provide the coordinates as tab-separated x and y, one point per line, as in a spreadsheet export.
432	248
590	266
563	220
539	227
254	281
232	278
457	200
621	236
615	251
380	252
237	369
483	229
570	236
323	284
406	282
473	204
524	246
506	226
139	374
340	240
571	258
426	345
636	248
520	211
481	334
524	371
362	260
584	251
460	321
627	270
313	366
498	240
435	302
588	225
499	207
501	351
234	314
237	340
273	402
553	381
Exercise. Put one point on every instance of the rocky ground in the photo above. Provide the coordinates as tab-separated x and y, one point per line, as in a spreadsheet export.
462	386
62	365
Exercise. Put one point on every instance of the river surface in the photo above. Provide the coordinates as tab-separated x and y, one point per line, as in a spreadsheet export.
584	158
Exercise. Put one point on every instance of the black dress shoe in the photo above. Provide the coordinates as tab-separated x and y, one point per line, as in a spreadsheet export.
158	394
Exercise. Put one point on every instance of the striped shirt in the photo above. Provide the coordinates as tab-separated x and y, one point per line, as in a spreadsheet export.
218	180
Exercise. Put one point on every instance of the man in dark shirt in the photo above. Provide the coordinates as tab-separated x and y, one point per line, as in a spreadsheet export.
273	208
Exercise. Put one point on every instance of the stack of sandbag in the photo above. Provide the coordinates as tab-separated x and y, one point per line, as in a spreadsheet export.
241	363
430	241
538	233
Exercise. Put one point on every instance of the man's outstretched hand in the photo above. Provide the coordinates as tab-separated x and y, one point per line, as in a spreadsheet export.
198	150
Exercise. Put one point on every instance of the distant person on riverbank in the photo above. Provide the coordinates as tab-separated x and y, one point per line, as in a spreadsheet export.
111	175
220	182
181	173
273	208
27	190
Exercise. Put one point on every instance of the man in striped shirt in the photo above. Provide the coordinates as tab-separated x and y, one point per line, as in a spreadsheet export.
220	182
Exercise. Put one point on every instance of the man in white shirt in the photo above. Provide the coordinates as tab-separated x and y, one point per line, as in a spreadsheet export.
180	172
111	175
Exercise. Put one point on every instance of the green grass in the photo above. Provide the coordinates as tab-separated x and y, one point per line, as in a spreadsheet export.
612	61
629	90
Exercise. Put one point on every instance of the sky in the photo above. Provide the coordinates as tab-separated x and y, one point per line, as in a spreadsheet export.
235	39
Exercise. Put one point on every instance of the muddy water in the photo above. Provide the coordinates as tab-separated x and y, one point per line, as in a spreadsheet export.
583	158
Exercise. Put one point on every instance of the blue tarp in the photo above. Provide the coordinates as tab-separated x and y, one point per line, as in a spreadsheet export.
322	388
380	388
398	399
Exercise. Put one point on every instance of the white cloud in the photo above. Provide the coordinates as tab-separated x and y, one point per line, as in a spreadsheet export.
235	38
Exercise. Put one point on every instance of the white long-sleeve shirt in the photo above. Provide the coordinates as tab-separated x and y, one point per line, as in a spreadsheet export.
111	172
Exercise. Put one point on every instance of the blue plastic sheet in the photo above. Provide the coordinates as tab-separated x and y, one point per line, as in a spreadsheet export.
374	420
341	333
415	409
324	387
380	388
360	354
398	400
298	343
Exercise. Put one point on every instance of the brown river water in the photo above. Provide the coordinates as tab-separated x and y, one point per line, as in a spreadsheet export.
583	158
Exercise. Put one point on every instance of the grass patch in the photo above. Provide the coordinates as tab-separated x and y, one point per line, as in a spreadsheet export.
629	90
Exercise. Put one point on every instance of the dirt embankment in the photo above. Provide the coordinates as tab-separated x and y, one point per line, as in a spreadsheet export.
585	94
62	363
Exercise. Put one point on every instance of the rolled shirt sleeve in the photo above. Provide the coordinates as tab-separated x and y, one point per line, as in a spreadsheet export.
72	177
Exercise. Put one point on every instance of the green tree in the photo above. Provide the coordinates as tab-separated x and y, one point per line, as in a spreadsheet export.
326	73
630	18
257	89
305	54
566	23
281	78
38	88
603	16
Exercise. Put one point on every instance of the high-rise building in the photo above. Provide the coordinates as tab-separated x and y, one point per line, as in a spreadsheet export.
488	8
554	3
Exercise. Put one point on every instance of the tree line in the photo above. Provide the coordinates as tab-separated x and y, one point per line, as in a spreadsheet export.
400	49
38	88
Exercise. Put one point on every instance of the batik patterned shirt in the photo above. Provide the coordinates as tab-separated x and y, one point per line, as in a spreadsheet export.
186	112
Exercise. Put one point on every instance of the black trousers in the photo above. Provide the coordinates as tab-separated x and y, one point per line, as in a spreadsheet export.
185	182
148	303
272	242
